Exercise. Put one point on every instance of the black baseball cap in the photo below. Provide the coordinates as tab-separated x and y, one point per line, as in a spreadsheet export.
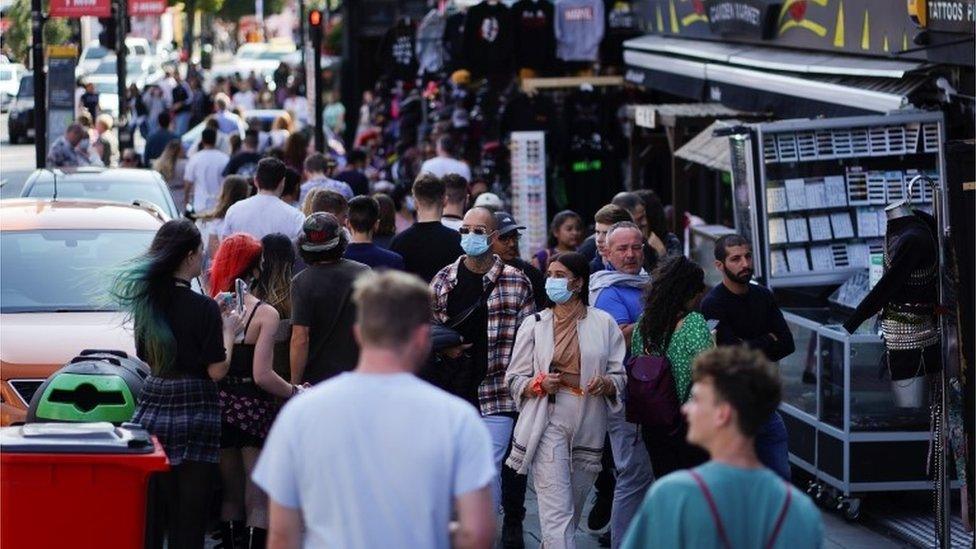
505	223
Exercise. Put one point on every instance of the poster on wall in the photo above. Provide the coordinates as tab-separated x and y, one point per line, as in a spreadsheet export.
61	61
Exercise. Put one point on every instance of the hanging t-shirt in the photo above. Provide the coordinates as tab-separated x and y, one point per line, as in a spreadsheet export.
579	26
535	39
430	45
454	41
592	175
489	39
623	23
396	54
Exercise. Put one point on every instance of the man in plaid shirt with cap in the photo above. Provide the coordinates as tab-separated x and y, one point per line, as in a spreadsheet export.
485	300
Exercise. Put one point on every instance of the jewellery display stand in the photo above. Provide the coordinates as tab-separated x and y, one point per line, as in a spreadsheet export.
528	151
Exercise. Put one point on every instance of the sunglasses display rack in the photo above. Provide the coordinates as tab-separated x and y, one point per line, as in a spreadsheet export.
528	153
820	188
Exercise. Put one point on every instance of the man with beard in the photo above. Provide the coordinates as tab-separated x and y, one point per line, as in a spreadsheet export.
747	314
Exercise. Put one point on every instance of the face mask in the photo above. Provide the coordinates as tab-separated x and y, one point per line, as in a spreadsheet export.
558	290
474	244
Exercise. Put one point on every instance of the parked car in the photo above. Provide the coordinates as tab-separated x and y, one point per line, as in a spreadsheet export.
9	83
57	259
93	54
20	115
125	185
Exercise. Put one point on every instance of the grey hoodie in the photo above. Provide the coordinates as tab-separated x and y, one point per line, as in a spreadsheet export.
579	26
602	280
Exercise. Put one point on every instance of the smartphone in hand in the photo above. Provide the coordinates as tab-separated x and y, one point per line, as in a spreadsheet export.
240	288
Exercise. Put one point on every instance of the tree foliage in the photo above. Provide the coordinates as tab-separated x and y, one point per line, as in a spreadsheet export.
233	10
17	39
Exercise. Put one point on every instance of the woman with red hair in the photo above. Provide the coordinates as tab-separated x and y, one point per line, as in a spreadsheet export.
249	394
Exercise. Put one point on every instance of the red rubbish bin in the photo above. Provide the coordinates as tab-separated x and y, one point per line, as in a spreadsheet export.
79	485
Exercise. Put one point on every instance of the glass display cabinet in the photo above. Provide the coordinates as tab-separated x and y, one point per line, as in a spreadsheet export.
844	427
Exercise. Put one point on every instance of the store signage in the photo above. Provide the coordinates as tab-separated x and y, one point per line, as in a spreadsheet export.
146	7
952	16
79	8
754	18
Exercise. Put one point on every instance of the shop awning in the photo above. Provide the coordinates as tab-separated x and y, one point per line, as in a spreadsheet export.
734	74
707	149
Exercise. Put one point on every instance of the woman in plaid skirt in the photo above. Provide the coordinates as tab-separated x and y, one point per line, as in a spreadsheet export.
186	339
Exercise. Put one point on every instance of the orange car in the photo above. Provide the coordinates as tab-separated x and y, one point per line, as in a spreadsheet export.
56	261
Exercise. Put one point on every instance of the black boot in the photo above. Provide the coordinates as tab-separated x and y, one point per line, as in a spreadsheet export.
226	532
512	535
259	538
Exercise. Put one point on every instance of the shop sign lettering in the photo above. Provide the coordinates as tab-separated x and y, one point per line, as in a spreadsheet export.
755	18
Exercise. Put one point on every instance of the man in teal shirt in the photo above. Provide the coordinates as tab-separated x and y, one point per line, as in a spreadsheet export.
731	502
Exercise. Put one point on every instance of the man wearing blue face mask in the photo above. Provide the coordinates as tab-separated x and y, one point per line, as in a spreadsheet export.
485	300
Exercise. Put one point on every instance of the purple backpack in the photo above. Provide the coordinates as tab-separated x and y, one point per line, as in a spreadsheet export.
652	400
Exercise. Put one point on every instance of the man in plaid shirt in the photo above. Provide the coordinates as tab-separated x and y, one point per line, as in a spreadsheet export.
490	321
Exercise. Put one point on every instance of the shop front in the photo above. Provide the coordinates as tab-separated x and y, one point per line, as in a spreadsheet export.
838	118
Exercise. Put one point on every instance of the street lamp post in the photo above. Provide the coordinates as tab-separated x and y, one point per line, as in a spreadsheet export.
40	91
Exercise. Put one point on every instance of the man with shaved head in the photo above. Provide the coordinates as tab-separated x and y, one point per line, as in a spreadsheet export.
485	300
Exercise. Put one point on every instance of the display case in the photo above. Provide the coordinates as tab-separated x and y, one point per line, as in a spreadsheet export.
838	406
810	194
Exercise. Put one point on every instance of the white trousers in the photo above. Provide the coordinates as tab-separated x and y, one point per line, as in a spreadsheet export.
560	488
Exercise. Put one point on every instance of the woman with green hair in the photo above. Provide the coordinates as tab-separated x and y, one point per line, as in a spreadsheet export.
186	339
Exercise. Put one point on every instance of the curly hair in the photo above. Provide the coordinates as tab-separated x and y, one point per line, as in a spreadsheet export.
674	282
236	257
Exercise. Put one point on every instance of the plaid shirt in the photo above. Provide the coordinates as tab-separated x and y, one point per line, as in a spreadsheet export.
510	302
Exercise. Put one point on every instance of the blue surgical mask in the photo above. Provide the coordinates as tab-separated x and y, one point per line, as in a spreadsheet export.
558	290
474	244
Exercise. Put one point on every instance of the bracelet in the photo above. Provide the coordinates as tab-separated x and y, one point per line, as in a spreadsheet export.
537	389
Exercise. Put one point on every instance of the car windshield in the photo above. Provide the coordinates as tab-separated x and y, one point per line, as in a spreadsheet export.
106	87
64	269
96	52
272	55
249	54
116	191
26	86
106	67
6	75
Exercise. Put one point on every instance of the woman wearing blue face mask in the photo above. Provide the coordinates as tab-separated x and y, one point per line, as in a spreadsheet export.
565	375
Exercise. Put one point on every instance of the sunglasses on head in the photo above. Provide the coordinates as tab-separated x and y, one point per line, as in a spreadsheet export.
476	230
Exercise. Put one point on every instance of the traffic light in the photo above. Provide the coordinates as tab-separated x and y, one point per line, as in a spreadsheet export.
315	19
108	38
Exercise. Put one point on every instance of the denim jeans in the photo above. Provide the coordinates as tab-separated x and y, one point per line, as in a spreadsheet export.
772	446
500	428
182	123
634	474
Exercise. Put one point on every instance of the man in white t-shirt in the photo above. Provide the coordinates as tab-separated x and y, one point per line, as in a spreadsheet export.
203	173
445	161
245	99
376	457
264	213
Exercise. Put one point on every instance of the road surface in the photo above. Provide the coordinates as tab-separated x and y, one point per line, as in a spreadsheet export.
16	163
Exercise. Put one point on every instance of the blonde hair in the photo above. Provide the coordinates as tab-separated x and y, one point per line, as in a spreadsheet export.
308	203
106	120
283	122
389	307
166	163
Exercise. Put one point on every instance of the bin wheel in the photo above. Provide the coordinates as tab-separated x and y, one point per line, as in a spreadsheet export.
852	509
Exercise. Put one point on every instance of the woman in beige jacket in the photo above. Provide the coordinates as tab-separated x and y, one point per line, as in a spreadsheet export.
565	375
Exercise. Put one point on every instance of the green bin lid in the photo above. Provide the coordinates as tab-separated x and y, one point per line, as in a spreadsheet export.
81	398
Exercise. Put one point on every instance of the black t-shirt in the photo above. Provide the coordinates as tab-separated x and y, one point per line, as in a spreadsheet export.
356	180
197	330
489	40
244	163
749	319
397	53
454	41
321	299
427	247
535	38
537	279
469	289
181	94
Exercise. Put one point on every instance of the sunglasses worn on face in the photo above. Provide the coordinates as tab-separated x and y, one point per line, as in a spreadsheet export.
475	230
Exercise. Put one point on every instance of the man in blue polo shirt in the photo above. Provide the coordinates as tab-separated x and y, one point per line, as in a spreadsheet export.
618	291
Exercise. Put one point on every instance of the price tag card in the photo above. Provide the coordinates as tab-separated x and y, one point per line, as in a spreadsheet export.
776	200
822	258
778	261
820	227
796	194
816	195
841	223
796	229
797	258
859	255
867	223
777	230
836	191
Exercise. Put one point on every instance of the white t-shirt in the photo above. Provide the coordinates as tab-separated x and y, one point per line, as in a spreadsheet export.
375	460
204	170
261	215
441	166
245	100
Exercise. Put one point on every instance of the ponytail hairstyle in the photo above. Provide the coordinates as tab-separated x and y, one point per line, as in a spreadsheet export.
236	257
144	286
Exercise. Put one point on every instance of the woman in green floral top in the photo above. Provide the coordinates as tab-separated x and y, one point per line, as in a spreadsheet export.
670	321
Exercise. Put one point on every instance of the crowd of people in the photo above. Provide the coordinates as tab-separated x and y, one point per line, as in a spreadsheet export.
438	370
